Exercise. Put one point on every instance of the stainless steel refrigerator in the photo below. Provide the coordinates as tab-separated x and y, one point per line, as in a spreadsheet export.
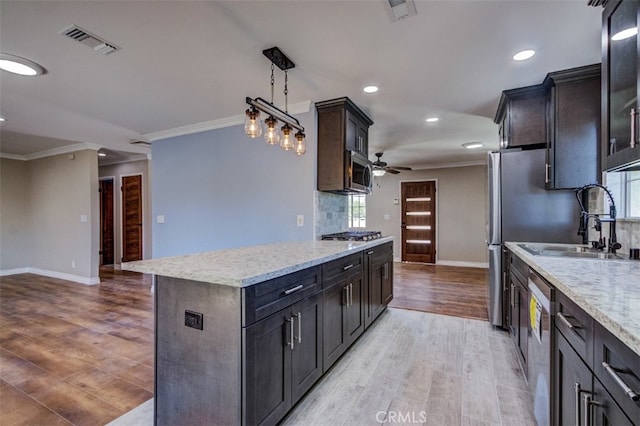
521	209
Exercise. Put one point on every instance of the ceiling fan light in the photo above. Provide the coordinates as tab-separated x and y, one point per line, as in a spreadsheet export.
252	125
379	172
370	89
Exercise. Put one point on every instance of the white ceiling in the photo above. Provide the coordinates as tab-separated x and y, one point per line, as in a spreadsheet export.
187	62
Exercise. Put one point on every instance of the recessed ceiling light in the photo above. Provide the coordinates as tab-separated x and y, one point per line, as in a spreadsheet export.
629	32
473	145
370	89
524	55
21	66
102	154
432	119
2	119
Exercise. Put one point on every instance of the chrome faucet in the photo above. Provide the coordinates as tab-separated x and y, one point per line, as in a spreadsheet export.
611	219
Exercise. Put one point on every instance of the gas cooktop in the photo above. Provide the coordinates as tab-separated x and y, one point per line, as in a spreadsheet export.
353	236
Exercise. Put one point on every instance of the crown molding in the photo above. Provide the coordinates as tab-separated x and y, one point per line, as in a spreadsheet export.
54	151
297	108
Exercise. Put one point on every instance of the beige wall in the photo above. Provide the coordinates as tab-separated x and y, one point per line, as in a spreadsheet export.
117	171
58	192
14	221
460	212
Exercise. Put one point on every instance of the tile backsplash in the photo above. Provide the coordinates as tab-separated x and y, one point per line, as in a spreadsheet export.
330	213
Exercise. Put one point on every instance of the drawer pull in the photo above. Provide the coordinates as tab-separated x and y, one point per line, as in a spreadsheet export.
370	252
633	395
566	321
293	290
349	266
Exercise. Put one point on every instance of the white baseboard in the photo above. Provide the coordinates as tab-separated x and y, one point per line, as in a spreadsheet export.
454	263
15	271
484	265
52	274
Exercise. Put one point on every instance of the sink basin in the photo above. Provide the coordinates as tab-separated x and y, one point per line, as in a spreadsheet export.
554	250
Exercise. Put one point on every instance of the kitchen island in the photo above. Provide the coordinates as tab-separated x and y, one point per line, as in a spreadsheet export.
242	334
590	336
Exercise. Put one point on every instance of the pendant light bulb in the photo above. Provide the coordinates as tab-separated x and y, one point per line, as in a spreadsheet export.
300	147
286	142
252	124
272	133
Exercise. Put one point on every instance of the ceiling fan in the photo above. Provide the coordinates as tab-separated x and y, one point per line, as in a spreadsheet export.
380	167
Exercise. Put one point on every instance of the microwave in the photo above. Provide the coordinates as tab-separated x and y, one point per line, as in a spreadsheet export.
358	176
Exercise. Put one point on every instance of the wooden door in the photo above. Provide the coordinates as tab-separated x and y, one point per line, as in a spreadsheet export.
132	218
335	340
418	221
106	223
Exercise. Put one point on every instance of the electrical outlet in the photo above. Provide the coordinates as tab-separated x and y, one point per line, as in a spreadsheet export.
160	218
193	319
300	220
386	217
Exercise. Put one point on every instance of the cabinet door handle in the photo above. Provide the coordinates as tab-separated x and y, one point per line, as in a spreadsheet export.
293	289
386	270
566	322
349	266
345	296
290	342
350	292
370	252
634	128
576	388
588	403
633	395
299	316
547	166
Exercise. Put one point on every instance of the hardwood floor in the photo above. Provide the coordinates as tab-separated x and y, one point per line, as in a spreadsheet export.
83	355
74	354
446	290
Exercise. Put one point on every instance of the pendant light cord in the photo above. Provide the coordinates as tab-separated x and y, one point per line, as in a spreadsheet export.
272	82
286	92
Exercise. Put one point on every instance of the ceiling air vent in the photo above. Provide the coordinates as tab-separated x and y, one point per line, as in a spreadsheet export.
98	44
400	9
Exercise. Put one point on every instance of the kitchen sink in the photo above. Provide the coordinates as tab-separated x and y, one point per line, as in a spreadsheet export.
557	250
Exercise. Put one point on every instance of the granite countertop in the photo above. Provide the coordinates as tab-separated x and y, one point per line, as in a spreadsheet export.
608	290
245	266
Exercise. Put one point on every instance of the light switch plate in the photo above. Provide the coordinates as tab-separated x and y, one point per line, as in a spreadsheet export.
300	220
160	218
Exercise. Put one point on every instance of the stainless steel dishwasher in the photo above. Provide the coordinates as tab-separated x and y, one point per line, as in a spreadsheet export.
539	346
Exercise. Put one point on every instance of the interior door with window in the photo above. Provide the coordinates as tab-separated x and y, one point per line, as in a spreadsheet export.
418	221
132	218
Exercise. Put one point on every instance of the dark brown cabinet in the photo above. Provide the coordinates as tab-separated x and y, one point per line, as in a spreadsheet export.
593	372
519	307
573	127
379	280
342	129
620	65
572	382
521	116
343	305
283	359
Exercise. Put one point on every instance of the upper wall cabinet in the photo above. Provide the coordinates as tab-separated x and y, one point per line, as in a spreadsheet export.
342	124
573	127
521	117
620	66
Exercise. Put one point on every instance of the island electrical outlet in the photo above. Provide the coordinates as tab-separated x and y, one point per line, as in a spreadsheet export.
193	319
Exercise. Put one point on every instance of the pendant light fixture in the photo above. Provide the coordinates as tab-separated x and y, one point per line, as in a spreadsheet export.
253	126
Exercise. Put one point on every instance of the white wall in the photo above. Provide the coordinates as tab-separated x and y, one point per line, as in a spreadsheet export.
59	191
14	215
117	171
221	189
461	213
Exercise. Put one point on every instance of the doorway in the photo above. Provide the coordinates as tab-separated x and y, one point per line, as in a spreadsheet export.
132	238
107	229
418	221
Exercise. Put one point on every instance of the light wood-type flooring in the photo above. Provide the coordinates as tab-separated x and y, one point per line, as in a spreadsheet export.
74	354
